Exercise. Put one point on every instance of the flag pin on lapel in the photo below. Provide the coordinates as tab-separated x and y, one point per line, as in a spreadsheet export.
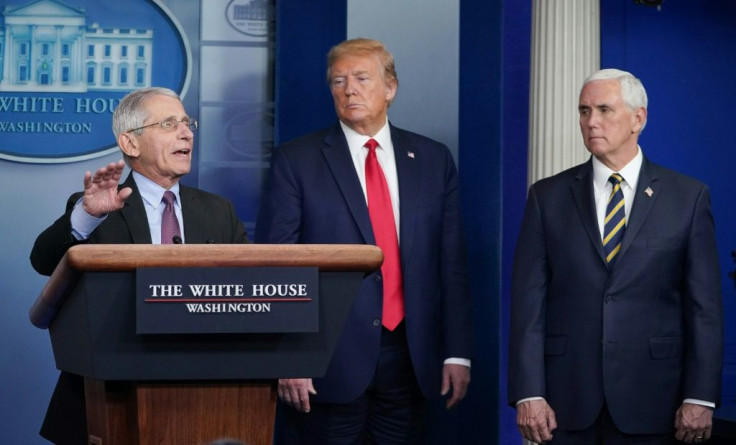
649	192
410	154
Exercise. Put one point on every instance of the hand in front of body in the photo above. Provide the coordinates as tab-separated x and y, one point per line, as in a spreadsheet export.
295	392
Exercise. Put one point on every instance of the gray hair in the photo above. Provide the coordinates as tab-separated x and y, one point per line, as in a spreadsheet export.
632	90
130	112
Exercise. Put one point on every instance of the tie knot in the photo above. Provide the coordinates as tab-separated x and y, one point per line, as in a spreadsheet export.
615	178
371	144
169	198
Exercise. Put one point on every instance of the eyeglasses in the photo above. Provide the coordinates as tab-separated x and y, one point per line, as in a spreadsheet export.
171	124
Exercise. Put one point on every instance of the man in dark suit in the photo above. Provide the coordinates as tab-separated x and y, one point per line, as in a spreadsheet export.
616	317
319	191
155	135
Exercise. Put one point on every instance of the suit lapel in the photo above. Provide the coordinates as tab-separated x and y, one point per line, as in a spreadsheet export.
337	156
582	190
193	215
410	180
643	203
134	214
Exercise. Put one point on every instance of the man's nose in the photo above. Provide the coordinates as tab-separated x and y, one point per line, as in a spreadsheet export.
593	119
349	87
184	131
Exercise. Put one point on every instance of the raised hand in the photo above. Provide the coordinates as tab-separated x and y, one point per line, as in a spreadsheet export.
101	194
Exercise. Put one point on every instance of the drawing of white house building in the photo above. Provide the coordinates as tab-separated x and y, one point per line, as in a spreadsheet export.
47	46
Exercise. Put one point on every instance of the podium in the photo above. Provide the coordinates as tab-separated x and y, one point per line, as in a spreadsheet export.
186	388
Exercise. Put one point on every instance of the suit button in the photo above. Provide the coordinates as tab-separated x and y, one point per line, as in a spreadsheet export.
376	322
378	277
609	299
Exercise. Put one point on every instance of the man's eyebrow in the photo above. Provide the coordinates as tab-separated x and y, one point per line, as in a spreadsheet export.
173	116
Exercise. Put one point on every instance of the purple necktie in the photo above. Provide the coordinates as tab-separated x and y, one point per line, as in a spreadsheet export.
169	222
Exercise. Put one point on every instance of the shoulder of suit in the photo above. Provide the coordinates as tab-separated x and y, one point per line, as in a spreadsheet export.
572	174
415	138
662	173
187	192
314	138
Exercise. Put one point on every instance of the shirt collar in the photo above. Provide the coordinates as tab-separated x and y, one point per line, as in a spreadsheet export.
356	140
630	172
153	193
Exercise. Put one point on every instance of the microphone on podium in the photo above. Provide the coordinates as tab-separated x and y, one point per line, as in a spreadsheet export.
177	240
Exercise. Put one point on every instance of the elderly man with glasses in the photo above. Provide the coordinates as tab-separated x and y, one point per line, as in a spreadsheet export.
156	137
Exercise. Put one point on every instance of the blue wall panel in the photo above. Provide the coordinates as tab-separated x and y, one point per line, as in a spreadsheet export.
479	160
516	70
305	32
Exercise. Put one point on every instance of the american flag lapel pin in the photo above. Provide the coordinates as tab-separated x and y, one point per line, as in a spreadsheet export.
410	154
649	192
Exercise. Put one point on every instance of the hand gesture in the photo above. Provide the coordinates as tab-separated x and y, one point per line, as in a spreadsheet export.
101	193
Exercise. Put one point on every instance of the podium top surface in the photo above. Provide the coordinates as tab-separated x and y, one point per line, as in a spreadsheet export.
128	257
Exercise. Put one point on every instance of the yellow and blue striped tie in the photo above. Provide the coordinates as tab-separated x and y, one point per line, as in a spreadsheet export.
615	223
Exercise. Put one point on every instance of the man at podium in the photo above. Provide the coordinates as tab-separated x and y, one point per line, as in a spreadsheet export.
156	136
408	336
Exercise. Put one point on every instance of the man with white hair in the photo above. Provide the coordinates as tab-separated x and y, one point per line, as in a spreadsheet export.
616	315
156	137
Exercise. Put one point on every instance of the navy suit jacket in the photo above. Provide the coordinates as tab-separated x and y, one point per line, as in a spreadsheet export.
208	218
314	197
641	335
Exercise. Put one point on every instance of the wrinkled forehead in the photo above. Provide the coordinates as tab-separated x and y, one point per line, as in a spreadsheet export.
352	64
160	106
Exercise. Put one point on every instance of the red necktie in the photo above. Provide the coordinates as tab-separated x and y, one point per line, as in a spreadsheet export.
384	230
169	222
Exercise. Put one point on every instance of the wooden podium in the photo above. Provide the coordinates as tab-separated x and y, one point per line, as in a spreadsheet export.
186	388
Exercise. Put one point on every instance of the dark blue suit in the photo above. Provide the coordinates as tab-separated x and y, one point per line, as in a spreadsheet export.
314	197
641	335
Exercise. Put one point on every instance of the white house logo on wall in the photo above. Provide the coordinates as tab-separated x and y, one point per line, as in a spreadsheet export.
64	69
250	17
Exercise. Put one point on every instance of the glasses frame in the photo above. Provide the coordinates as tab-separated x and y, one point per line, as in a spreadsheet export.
193	124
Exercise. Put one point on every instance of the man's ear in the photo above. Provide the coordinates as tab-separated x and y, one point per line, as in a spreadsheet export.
129	145
391	90
640	117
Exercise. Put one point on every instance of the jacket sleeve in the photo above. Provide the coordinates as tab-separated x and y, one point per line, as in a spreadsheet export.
703	307
529	282
51	245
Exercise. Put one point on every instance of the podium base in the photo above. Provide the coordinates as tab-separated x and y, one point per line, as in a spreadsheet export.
197	413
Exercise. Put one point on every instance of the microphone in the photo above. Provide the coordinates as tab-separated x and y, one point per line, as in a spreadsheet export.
177	240
210	241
